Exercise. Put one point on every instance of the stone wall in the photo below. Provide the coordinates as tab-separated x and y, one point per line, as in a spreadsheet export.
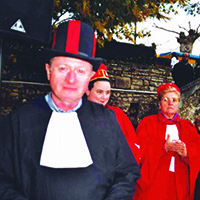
134	89
16	93
190	101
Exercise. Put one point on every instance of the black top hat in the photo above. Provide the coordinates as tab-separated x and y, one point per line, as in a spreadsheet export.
74	39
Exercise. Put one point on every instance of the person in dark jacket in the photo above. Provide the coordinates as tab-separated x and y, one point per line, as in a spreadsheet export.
183	72
61	146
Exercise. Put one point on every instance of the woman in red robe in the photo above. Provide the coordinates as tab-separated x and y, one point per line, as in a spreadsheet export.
99	92
170	149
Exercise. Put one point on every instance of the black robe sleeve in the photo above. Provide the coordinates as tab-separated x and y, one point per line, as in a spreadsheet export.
8	187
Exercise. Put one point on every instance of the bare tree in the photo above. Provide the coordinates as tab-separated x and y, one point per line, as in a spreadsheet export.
186	41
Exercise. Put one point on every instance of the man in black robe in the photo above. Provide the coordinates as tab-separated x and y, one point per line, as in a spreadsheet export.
61	146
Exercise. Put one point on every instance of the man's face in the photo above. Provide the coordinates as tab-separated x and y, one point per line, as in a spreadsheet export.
100	93
185	57
69	79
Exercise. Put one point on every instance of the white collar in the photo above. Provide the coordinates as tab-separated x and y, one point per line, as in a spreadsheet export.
53	106
65	145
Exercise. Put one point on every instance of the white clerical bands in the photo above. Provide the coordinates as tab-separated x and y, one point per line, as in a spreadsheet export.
65	145
172	131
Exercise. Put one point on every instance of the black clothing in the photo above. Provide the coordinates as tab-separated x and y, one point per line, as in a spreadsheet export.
112	175
197	71
182	73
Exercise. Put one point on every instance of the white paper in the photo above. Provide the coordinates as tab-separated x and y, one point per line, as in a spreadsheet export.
172	164
65	145
172	131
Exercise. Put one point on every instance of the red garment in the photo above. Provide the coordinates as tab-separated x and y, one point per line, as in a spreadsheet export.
128	131
157	182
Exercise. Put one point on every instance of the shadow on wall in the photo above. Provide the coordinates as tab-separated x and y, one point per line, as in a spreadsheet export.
132	113
137	112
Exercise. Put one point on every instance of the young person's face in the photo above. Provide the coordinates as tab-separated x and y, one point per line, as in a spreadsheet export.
100	93
69	79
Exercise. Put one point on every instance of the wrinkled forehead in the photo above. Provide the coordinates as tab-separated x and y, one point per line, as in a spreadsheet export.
69	61
171	93
167	91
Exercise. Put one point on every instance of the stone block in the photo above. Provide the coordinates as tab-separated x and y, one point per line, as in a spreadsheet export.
123	82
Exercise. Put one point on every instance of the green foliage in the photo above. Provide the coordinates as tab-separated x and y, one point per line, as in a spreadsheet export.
110	17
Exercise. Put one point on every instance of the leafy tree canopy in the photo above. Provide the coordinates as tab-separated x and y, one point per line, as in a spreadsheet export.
117	17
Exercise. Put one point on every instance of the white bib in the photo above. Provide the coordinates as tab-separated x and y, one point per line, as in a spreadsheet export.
172	131
65	145
172	164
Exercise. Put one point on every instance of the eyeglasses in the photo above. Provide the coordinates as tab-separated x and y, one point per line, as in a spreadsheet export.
173	100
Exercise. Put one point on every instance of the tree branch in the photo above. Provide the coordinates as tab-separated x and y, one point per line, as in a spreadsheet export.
183	28
198	28
154	25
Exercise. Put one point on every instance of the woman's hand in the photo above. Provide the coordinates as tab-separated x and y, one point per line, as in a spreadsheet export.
169	146
176	146
180	148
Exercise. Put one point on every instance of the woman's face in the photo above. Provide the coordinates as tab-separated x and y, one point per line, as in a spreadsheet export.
169	104
100	93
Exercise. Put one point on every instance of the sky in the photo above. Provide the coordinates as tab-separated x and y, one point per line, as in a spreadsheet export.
166	41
